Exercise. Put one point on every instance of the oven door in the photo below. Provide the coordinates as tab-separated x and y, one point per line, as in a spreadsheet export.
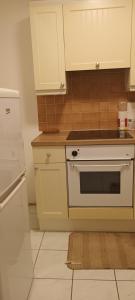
100	183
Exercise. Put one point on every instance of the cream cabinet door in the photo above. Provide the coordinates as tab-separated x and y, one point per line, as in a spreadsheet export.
51	191
48	47
132	70
97	34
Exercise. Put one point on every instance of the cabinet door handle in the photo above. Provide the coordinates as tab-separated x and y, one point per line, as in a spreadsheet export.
35	170
61	85
97	65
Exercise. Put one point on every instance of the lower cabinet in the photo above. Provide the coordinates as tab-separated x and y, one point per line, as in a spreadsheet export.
52	195
51	191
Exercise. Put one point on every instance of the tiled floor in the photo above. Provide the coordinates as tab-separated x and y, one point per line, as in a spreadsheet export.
54	281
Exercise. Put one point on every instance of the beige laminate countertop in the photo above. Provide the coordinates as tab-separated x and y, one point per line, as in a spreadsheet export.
60	139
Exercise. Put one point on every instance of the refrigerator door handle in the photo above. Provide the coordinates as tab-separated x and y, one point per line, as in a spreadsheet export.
9	197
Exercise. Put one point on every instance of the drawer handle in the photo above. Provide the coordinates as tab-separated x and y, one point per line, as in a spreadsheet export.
97	65
61	85
48	155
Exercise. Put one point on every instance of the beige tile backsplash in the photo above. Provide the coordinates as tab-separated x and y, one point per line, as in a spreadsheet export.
91	102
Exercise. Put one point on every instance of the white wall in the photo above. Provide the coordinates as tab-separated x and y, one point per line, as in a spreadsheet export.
16	71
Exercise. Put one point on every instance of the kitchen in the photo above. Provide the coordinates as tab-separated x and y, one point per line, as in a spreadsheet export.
91	102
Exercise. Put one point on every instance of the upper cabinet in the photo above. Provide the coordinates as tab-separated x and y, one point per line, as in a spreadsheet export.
97	34
48	47
132	70
80	35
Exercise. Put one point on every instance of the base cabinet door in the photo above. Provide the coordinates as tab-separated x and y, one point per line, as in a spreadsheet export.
51	191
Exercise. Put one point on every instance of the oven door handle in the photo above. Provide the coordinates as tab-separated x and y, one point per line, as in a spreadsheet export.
100	166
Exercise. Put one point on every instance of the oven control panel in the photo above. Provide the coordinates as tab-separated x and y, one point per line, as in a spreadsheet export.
100	152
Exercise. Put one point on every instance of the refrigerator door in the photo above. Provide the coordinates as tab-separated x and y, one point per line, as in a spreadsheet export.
9	174
16	270
11	142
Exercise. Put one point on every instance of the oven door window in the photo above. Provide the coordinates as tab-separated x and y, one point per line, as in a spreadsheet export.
100	182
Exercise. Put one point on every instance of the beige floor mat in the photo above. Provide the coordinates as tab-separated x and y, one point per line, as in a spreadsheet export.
101	250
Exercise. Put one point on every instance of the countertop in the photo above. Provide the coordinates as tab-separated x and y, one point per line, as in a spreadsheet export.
60	139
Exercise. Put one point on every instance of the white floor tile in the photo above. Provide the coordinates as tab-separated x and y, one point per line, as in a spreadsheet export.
55	241
125	274
34	255
94	290
36	237
51	264
126	290
49	289
94	274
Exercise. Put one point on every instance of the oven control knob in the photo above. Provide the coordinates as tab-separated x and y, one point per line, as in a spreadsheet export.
74	153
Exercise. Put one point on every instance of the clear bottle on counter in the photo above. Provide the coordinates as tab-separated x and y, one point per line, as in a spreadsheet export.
131	115
122	116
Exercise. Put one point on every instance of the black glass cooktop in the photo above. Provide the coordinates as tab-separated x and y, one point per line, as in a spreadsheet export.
98	134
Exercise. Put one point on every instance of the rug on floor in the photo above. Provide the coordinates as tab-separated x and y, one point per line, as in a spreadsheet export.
101	250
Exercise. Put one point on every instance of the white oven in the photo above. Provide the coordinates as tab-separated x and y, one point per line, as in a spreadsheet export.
100	175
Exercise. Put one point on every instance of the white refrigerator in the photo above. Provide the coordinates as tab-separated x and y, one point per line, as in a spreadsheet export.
16	270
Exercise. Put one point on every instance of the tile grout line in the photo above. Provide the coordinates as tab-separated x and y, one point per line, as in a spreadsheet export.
102	280
126	280
53	249
42	240
34	266
30	289
72	284
53	278
38	252
96	279
116	285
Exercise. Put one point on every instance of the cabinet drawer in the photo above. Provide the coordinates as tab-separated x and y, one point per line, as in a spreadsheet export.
47	154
